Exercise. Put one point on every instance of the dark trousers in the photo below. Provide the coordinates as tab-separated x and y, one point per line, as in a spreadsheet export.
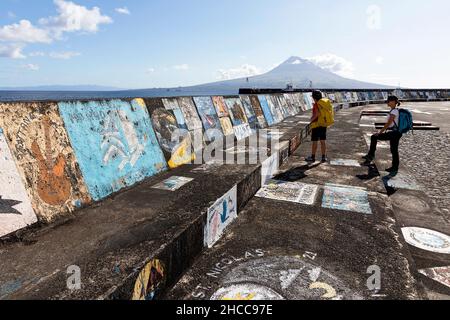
394	138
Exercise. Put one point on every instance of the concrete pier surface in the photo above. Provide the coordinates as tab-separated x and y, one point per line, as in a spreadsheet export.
335	230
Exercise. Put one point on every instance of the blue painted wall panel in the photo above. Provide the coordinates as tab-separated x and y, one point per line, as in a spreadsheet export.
114	143
266	109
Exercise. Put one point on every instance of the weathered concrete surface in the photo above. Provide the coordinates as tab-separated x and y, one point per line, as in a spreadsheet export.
45	159
419	193
113	241
281	249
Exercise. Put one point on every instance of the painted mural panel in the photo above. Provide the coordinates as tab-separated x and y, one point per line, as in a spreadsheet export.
262	123
242	131
307	96
227	126
208	115
274	110
171	131
282	105
220	215
15	206
45	159
114	142
221	107
190	114
236	110
249	112
266	110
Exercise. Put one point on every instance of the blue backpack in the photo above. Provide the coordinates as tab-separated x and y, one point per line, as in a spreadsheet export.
405	121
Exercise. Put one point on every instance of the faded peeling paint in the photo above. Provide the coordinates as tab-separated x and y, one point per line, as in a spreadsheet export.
114	143
44	157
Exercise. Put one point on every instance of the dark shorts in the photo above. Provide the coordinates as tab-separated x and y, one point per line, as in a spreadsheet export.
319	134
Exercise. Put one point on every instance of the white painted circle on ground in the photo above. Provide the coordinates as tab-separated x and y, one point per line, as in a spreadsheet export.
246	291
428	240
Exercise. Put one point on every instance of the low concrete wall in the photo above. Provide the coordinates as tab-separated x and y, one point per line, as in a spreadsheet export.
71	153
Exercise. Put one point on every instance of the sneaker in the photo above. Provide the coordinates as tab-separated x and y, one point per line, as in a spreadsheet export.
310	159
368	161
324	159
366	157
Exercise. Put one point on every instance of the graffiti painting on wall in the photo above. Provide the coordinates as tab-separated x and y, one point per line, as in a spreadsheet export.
150	281
174	139
221	108
16	211
441	275
44	157
249	112
114	142
172	105
266	110
262	123
428	240
274	110
193	122
346	198
173	184
208	115
220	215
227	127
269	168
289	191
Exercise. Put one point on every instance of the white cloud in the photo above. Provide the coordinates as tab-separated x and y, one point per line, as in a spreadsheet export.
74	18
123	10
37	54
181	67
30	66
334	63
64	55
13	51
24	31
296	62
245	70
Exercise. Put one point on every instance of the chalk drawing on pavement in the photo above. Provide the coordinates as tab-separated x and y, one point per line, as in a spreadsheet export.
428	240
220	215
173	183
289	191
346	198
441	275
246	292
282	278
402	181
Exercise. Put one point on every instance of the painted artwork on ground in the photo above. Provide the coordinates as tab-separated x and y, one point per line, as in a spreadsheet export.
227	126
206	168
16	211
345	163
428	240
173	183
262	123
221	107
174	140
266	110
210	120
150	281
114	143
249	112
220	215
346	198
282	278
237	112
269	168
289	191
190	114
44	157
441	275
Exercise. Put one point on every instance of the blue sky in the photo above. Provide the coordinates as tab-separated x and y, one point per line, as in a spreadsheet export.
165	43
